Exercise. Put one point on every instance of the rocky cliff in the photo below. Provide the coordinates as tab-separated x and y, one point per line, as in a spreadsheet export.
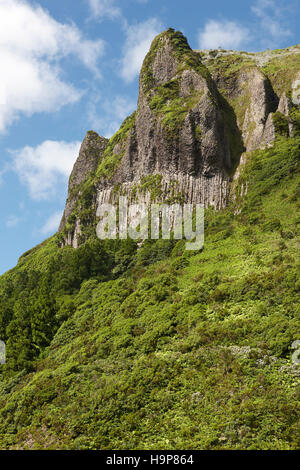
198	114
84	168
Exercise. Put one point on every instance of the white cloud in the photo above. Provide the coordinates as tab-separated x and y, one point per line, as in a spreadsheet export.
104	8
12	221
101	9
32	45
271	14
52	223
226	34
110	116
137	44
45	168
138	36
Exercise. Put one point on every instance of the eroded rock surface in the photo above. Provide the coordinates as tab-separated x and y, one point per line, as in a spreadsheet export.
86	164
198	114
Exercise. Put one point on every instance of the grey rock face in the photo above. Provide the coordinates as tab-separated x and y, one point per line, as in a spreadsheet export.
262	101
87	162
254	99
197	155
165	65
189	133
268	135
90	152
284	105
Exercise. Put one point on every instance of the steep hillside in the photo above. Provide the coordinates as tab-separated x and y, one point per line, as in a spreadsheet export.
123	345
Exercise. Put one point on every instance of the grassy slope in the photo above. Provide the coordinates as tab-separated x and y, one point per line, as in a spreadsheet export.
192	351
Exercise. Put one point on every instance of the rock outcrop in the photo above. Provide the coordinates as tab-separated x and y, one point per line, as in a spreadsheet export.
86	164
178	133
198	114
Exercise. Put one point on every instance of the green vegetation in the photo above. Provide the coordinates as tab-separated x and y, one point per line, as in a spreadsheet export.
110	158
146	345
171	107
84	209
227	69
281	124
294	116
232	131
228	66
198	133
266	169
166	100
152	184
281	68
112	346
84	194
186	57
282	72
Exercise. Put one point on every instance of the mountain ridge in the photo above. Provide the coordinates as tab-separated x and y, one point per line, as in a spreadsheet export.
198	115
130	345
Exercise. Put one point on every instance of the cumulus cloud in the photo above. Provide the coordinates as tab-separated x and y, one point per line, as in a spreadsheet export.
271	16
137	44
107	117
45	168
101	9
104	8
270	27
52	223
138	37
12	221
32	45
226	34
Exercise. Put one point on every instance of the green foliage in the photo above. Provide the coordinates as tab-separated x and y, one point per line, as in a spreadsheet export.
84	194
229	66
281	124
165	100
110	159
198	133
294	116
154	251
282	72
187	58
152	184
84	210
265	170
117	345
172	108
232	131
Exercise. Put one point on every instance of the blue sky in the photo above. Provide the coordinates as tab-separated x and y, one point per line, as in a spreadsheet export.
68	66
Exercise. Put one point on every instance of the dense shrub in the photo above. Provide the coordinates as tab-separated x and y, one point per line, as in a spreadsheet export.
146	346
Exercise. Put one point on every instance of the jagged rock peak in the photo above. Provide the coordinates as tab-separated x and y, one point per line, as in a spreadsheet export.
87	162
90	152
197	113
179	134
169	55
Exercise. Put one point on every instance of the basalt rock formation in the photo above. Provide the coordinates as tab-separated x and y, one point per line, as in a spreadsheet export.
198	114
85	166
127	344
